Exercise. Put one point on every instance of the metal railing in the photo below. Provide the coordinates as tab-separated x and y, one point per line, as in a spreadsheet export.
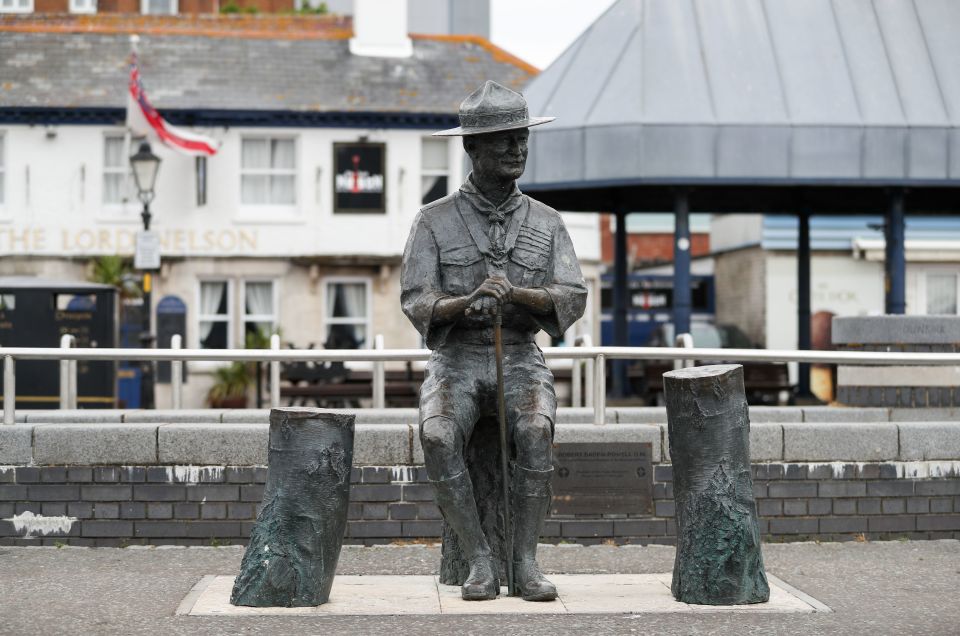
595	357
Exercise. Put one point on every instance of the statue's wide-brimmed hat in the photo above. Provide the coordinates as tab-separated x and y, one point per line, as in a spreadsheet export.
493	108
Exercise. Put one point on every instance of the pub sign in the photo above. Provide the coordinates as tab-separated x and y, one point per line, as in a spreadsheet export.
359	183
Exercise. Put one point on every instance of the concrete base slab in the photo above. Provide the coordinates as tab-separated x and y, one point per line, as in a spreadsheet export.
423	595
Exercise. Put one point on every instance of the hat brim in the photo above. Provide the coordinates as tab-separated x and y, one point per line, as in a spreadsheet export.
463	131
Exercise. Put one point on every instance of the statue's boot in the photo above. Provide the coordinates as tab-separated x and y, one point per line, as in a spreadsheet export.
459	508
531	501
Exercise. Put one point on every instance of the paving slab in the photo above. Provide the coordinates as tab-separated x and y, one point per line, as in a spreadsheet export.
351	595
394	595
876	588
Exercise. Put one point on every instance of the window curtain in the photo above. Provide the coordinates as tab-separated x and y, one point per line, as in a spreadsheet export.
211	296
350	301
115	174
255	155
281	186
259	299
258	302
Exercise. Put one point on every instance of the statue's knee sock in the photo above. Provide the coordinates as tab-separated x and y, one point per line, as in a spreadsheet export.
531	502
459	509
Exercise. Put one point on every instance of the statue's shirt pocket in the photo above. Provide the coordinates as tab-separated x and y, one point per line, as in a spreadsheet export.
530	257
459	268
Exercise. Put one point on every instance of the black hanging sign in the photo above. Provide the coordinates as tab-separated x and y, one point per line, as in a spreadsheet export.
359	180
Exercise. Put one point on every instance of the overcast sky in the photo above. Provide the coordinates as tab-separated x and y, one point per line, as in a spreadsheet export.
537	31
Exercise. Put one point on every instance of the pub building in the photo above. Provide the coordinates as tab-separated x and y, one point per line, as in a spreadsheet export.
298	222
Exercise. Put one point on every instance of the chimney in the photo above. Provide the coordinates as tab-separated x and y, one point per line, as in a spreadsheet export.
380	29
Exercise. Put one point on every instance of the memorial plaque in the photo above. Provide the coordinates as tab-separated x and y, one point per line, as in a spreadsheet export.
602	478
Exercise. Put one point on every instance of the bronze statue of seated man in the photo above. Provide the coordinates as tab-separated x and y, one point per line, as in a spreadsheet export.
483	250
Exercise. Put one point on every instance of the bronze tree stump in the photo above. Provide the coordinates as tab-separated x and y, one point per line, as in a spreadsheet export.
295	545
718	558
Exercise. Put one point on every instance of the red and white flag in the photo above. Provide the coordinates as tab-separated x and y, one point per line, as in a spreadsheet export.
143	119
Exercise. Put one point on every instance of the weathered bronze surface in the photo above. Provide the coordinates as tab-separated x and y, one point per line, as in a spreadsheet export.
294	547
718	561
484	249
603	478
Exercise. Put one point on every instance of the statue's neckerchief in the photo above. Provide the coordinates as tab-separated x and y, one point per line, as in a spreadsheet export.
486	223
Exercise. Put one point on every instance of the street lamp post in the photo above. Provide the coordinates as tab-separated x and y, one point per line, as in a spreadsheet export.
145	166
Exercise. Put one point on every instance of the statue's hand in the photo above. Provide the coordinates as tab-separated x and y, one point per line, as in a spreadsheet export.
493	292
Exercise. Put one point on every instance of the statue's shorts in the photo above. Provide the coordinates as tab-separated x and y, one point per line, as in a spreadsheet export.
461	385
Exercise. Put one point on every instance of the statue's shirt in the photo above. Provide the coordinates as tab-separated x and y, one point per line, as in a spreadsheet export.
451	250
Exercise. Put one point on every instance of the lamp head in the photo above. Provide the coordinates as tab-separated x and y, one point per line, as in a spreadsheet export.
145	167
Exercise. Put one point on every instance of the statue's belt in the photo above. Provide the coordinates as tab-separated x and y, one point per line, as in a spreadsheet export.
483	336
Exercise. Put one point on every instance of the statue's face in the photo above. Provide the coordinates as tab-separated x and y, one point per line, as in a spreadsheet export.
501	155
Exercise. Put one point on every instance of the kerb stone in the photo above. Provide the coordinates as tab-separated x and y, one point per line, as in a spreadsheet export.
836	442
16	444
76	416
206	444
184	416
838	414
766	441
762	414
95	444
925	415
929	440
641	415
382	445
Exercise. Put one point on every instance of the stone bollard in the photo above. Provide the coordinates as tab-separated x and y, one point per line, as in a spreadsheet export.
718	539
294	547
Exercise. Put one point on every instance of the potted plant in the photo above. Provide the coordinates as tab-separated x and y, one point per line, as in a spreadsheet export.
229	390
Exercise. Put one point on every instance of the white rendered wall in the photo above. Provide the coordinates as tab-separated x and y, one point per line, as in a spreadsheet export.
733	231
53	204
839	284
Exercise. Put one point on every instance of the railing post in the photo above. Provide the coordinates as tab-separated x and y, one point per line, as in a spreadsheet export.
66	341
684	341
600	389
176	374
9	390
588	371
379	379
576	383
275	373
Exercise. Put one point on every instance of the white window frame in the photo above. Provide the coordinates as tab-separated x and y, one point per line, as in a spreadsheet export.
273	319
145	5
74	8
231	310
329	321
128	210
271	213
17	9
426	172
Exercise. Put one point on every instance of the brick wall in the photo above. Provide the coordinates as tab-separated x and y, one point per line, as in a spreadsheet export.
648	247
740	279
187	505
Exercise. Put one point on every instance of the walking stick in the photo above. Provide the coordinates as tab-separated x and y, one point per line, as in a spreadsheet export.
504	449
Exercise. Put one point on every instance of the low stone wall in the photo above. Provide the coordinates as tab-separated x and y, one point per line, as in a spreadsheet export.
167	478
898	386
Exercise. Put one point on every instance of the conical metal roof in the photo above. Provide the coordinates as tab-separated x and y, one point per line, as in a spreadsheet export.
754	91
